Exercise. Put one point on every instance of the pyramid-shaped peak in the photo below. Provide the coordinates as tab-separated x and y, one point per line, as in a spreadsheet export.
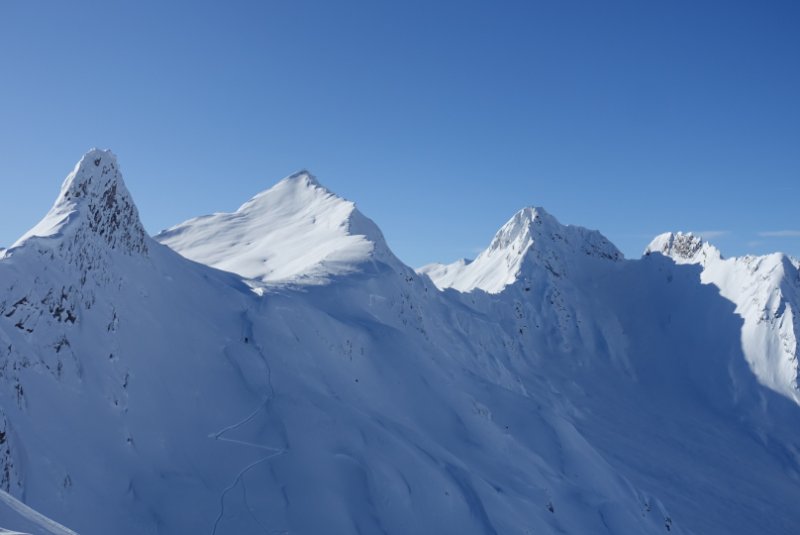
296	232
96	162
531	241
94	206
523	226
535	227
683	248
300	187
531	215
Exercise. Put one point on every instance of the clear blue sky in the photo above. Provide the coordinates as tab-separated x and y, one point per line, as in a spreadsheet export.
440	119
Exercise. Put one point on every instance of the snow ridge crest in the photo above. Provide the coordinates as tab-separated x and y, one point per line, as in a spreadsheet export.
296	232
534	226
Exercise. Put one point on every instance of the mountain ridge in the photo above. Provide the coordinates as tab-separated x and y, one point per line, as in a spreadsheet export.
589	394
766	292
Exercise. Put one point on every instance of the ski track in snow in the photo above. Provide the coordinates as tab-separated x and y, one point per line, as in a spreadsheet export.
34	516
219	435
235	482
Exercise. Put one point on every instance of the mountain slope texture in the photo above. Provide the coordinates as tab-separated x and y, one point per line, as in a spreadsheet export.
278	370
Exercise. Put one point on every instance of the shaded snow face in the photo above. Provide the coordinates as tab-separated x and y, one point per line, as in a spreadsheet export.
766	292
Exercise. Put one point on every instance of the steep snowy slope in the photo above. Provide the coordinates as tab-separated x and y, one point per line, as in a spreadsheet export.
532	235
766	291
295	232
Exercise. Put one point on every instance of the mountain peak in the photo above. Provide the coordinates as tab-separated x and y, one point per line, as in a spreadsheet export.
532	238
301	186
683	248
296	232
303	176
522	228
93	204
84	175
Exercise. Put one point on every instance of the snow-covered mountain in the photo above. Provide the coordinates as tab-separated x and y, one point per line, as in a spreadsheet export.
291	375
766	292
532	237
295	232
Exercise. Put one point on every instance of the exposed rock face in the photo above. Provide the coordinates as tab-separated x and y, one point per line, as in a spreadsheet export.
683	248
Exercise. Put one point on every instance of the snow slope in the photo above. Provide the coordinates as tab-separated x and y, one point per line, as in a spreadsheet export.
531	236
766	291
296	231
573	392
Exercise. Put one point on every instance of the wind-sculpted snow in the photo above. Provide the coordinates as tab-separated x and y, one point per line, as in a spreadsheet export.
327	388
295	232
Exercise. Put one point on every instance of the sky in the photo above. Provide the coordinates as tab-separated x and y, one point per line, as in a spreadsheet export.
439	119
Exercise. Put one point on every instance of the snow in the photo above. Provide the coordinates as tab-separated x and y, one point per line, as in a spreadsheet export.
26	518
552	387
95	194
766	291
444	275
531	236
295	232
683	248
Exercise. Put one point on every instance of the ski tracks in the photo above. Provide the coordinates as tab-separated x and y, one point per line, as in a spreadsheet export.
220	435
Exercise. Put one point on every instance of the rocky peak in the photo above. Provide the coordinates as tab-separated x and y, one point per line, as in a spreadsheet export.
683	248
94	206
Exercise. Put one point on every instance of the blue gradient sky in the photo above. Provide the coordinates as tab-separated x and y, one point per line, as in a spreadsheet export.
440	119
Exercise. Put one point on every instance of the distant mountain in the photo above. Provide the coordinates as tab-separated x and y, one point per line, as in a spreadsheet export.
766	292
281	371
532	239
